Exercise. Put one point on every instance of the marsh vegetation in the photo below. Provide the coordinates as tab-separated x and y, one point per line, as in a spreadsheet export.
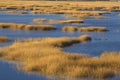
45	56
84	29
48	19
28	27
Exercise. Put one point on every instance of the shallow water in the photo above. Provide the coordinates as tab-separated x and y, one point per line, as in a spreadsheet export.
8	72
102	42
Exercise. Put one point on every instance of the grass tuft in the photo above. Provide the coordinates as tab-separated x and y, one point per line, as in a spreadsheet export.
27	27
3	39
84	29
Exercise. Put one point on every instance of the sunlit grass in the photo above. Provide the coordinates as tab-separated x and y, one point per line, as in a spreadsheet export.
45	56
84	29
27	27
3	39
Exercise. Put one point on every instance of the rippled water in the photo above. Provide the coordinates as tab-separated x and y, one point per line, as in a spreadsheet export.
102	42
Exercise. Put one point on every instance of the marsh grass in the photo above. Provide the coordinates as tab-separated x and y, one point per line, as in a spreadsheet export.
70	28
3	39
27	27
45	56
100	17
84	29
17	12
65	21
81	16
92	29
39	20
60	7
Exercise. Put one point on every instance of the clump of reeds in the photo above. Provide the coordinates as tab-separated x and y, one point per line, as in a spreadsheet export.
17	12
14	26
39	20
70	21
100	17
84	29
80	16
3	39
92	29
70	29
85	38
65	21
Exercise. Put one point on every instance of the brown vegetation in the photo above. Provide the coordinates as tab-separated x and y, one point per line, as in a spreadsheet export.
45	56
48	7
79	10
69	29
80	16
17	12
65	21
3	39
84	29
100	17
14	26
39	20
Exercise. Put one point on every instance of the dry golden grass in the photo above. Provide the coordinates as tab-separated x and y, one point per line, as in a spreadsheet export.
3	39
14	26
17	12
60	7
72	8
46	57
92	29
39	20
70	21
65	21
79	16
84	29
88	15
69	29
100	17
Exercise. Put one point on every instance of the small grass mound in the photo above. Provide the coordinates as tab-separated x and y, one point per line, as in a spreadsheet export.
100	17
84	29
16	12
3	39
39	20
81	16
65	21
93	29
71	21
85	38
14	26
70	29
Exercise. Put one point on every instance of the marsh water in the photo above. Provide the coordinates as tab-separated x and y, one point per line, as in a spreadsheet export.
101	42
